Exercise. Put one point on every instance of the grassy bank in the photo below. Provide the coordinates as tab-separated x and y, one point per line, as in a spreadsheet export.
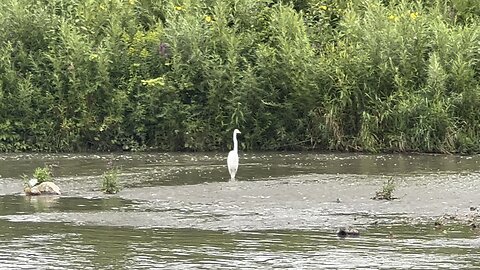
181	75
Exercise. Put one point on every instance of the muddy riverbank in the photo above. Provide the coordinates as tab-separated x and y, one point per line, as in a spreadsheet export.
278	196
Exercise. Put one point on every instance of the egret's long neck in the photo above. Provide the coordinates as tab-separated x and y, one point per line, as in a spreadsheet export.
235	143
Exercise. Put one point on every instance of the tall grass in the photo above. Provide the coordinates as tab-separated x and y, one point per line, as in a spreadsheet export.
367	75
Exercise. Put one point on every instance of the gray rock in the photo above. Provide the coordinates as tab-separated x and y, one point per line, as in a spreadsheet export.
45	188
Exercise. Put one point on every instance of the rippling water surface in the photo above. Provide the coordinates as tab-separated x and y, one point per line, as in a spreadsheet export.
179	211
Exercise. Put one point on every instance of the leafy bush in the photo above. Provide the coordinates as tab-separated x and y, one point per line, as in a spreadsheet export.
134	75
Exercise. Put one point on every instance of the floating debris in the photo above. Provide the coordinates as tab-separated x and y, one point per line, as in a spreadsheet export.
347	232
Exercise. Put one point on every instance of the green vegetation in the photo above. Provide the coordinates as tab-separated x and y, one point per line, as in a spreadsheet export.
110	183
386	193
371	75
42	174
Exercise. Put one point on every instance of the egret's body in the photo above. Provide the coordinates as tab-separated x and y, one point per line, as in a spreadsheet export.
232	159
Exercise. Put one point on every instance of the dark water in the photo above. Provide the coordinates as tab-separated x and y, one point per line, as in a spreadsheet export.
179	211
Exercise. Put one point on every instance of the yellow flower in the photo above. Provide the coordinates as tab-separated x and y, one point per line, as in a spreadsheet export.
132	2
323	7
413	15
144	53
93	57
208	18
179	8
159	81
393	18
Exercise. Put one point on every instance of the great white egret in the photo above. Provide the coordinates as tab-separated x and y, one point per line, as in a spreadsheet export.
232	160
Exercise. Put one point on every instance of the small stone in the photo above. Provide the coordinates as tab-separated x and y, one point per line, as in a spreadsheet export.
32	182
345	232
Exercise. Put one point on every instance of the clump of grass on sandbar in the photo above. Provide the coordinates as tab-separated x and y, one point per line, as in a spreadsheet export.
386	193
110	184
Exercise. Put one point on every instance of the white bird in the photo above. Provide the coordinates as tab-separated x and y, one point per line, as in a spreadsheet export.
232	160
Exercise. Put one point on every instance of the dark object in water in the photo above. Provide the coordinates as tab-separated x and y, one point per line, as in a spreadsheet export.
347	232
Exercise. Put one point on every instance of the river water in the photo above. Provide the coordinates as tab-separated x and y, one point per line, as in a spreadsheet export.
180	211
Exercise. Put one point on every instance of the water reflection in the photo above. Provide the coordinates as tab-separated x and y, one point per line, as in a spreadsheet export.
20	204
66	246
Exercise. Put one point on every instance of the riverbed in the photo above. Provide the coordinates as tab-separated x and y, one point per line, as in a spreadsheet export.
181	211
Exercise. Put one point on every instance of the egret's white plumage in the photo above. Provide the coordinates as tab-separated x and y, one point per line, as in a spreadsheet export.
232	160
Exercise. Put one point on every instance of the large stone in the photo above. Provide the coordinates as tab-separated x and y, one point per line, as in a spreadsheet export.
45	188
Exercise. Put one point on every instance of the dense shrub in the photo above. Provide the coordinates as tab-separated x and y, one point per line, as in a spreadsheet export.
371	75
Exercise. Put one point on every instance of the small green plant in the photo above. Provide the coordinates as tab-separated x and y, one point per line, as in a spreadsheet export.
386	193
42	174
110	182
